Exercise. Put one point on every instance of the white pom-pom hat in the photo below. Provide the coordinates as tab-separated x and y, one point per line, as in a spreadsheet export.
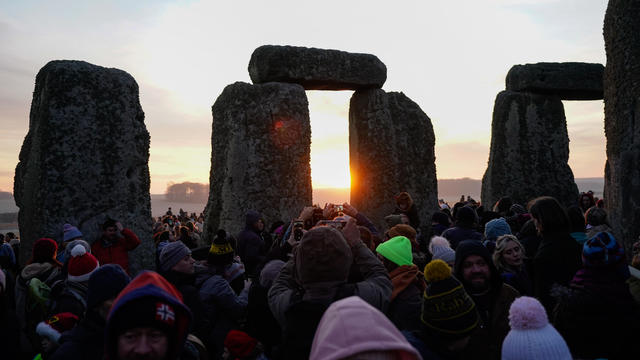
81	264
531	335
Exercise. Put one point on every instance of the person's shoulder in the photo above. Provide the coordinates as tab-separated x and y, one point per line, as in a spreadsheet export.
508	292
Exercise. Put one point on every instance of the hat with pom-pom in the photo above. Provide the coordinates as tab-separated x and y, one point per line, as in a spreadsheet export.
397	250
54	326
602	250
447	310
531	335
81	264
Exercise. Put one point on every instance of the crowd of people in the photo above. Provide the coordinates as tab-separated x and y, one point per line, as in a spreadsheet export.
514	281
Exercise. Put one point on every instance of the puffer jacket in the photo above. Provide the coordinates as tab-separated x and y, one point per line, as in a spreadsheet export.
222	307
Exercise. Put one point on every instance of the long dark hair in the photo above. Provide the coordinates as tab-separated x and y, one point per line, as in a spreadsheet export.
550	214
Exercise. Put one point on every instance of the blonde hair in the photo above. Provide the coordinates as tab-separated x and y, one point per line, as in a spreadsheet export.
501	244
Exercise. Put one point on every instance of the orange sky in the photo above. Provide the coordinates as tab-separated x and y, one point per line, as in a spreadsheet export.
451	58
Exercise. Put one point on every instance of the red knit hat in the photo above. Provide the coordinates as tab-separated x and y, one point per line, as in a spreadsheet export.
54	326
239	343
44	250
81	264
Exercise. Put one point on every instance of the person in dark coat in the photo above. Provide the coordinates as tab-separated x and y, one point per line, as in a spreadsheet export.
261	324
464	229
408	283
439	223
222	292
251	245
317	276
596	314
177	266
481	280
405	205
86	340
558	256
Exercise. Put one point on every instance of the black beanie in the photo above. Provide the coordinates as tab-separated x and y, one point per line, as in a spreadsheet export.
474	247
106	283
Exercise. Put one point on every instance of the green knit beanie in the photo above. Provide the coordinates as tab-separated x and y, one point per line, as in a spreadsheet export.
397	249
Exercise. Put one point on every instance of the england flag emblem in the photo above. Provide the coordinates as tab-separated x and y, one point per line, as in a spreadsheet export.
165	313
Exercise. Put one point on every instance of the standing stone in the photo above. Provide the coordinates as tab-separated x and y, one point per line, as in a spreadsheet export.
621	113
316	69
85	157
568	81
260	140
529	151
391	149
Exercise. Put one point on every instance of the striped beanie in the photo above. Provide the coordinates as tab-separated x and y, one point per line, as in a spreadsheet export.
602	250
447	310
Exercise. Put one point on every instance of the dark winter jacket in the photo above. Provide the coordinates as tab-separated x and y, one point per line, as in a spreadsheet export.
9	330
186	284
222	306
519	280
493	306
298	310
404	310
260	321
457	234
251	246
117	252
597	316
85	341
558	258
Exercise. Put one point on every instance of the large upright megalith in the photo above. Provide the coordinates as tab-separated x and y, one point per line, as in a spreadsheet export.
85	157
391	150
621	118
529	150
261	138
316	69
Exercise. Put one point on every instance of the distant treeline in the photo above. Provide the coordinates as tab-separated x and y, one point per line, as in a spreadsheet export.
457	187
187	192
8	218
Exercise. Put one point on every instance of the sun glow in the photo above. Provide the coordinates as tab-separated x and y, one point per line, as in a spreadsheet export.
329	139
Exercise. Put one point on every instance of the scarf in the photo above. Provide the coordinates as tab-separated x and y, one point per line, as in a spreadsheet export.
403	276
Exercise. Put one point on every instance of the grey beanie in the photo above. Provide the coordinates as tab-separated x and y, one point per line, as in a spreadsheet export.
172	253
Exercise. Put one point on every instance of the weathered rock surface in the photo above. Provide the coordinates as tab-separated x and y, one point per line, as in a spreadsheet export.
529	150
316	69
391	149
85	157
568	81
622	108
260	155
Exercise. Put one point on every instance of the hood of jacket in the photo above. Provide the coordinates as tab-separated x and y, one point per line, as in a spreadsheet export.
36	269
351	326
250	218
